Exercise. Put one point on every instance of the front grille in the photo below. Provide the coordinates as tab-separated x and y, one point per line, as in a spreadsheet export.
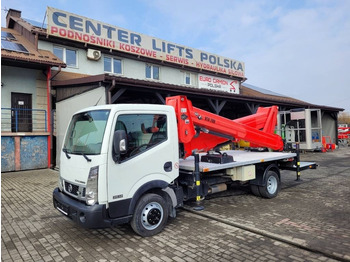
70	188
74	190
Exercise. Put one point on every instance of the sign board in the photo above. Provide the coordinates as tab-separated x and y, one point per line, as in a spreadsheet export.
218	84
297	115
78	28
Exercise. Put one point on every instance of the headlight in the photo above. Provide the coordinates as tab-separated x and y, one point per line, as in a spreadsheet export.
60	182
91	186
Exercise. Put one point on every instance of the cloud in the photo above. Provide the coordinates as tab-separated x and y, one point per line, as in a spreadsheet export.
294	48
307	55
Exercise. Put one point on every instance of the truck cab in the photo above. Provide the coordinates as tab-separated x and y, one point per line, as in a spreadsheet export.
109	173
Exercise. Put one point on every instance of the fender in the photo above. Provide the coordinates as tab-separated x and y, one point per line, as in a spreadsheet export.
123	208
155	184
260	177
172	195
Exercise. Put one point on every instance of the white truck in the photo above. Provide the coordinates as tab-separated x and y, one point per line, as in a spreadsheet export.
133	163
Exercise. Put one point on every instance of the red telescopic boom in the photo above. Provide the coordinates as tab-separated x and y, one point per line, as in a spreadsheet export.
201	130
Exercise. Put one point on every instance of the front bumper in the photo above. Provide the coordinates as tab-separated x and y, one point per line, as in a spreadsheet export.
86	216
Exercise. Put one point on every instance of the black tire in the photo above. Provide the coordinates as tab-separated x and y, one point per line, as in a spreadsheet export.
255	190
272	185
150	215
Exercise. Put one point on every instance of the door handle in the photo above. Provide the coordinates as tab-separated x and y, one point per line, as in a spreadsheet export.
168	166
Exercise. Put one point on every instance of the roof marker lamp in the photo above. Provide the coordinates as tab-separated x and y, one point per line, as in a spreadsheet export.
91	186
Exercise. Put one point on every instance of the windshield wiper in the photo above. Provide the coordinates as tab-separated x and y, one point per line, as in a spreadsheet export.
80	153
85	156
66	152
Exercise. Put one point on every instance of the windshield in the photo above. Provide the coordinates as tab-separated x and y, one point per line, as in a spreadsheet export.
85	133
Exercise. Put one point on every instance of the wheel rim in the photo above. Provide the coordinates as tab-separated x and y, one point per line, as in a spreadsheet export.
152	215
272	185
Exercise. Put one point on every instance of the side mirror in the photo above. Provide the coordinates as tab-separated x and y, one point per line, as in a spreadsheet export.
120	144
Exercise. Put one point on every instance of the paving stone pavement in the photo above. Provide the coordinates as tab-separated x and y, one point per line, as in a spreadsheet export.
308	221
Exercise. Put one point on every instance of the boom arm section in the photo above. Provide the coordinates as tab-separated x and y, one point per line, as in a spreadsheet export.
201	130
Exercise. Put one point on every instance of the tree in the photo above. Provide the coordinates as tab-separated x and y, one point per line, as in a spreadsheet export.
344	118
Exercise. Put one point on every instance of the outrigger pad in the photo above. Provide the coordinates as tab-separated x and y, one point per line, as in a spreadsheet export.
217	158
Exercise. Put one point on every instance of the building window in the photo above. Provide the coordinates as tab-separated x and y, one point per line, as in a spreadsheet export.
68	56
152	71
112	65
188	79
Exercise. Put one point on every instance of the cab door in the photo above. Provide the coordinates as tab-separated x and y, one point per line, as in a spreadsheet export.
151	158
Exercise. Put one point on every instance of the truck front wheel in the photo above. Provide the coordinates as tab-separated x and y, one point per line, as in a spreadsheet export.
150	216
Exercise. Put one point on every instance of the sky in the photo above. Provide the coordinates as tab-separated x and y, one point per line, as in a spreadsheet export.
298	48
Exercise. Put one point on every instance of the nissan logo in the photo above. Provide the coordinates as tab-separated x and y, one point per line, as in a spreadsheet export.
70	188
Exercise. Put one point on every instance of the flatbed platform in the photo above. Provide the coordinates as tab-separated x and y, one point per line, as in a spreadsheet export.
241	158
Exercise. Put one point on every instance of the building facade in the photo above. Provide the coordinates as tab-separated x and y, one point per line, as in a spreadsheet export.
108	64
26	141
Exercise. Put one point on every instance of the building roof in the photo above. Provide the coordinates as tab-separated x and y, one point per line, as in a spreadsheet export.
35	24
254	91
62	76
247	94
30	53
262	90
29	25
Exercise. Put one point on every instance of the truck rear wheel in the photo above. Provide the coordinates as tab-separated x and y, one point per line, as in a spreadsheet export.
255	190
272	185
150	216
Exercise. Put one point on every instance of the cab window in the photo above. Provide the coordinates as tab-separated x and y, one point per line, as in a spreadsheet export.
144	131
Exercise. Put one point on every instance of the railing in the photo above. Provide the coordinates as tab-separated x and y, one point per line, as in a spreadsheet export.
23	120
